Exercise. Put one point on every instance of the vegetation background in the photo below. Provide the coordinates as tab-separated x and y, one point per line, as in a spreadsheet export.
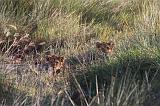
128	77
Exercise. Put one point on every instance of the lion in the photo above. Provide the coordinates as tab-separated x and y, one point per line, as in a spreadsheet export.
56	62
105	47
51	63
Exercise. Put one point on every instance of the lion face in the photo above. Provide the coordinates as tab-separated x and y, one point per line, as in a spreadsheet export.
56	62
105	47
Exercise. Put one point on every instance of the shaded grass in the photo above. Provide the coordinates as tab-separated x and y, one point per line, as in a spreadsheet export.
117	78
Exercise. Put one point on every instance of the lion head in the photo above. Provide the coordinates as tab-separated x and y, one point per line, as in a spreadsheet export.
105	47
56	62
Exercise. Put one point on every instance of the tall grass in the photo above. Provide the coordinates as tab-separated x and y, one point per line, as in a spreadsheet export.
71	28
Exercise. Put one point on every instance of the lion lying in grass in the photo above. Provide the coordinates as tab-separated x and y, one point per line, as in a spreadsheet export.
105	47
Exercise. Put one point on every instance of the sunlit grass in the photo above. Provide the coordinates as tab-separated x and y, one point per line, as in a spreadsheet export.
71	29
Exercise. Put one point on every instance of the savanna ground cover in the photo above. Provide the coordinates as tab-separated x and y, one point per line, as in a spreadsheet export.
128	77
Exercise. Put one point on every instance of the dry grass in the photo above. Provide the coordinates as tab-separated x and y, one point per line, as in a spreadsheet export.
71	29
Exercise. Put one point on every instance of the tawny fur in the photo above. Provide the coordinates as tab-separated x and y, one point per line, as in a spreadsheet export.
105	47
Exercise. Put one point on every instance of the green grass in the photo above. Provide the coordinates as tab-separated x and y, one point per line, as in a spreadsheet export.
129	77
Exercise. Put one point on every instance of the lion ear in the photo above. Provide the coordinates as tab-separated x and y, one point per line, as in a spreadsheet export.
48	57
61	59
111	43
98	44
